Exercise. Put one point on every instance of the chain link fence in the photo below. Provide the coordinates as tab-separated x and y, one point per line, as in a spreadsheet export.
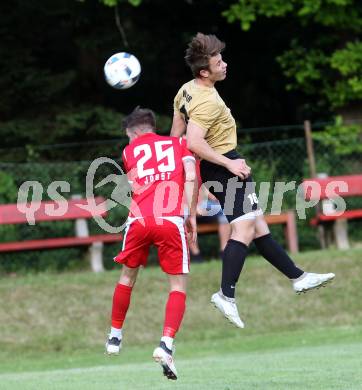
283	158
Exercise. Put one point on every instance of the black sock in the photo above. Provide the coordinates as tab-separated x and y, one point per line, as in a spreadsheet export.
232	263
277	256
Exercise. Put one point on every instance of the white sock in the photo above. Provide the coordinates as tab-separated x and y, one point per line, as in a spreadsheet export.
116	333
301	277
168	341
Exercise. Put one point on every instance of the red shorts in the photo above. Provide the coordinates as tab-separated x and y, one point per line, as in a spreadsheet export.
166	233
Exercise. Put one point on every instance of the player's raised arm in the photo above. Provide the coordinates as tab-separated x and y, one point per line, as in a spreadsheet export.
178	125
196	143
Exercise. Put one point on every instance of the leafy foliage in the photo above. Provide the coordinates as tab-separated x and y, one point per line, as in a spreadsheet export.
348	63
344	139
8	189
247	11
113	3
304	68
325	59
65	124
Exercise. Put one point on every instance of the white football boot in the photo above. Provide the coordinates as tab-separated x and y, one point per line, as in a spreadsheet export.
309	281
113	346
163	356
228	308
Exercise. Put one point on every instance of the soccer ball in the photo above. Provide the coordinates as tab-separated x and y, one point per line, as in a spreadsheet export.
122	70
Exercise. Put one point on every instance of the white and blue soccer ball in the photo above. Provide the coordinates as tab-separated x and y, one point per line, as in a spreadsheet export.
122	70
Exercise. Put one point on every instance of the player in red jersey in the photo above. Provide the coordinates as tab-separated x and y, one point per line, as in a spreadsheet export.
161	171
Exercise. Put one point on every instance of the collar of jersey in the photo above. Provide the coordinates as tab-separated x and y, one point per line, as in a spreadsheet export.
143	136
206	88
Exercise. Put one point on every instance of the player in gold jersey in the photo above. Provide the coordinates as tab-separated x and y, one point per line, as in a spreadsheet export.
211	134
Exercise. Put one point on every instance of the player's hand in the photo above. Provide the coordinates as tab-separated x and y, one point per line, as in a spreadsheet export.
239	168
201	211
191	229
210	196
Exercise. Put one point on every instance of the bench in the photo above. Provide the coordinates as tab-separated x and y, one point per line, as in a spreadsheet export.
287	219
73	210
331	216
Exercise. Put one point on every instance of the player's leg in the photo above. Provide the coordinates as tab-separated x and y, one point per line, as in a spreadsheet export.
135	248
224	228
236	249
171	243
224	231
272	251
120	304
235	252
174	313
231	192
278	257
175	308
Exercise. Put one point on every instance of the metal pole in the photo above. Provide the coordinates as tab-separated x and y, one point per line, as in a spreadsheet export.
310	148
313	173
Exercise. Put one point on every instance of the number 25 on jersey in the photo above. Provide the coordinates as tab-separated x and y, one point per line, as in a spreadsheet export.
166	155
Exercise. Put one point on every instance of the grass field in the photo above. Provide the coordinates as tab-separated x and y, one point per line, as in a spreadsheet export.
53	328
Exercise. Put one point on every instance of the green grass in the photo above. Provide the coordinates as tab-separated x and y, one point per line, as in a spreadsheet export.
293	360
53	327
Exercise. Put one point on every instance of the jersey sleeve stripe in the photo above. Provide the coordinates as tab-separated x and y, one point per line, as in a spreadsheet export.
188	158
124	155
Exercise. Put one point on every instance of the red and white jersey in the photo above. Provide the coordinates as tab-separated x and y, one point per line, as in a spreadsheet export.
154	166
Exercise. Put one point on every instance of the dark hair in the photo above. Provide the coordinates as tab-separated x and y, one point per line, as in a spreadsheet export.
201	48
139	117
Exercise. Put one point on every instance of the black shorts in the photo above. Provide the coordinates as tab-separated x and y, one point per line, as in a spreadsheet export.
237	197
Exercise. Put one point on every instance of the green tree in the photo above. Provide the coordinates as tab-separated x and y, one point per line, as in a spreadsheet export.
344	139
325	59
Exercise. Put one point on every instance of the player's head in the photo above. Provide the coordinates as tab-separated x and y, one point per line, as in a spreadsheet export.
138	122
203	56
